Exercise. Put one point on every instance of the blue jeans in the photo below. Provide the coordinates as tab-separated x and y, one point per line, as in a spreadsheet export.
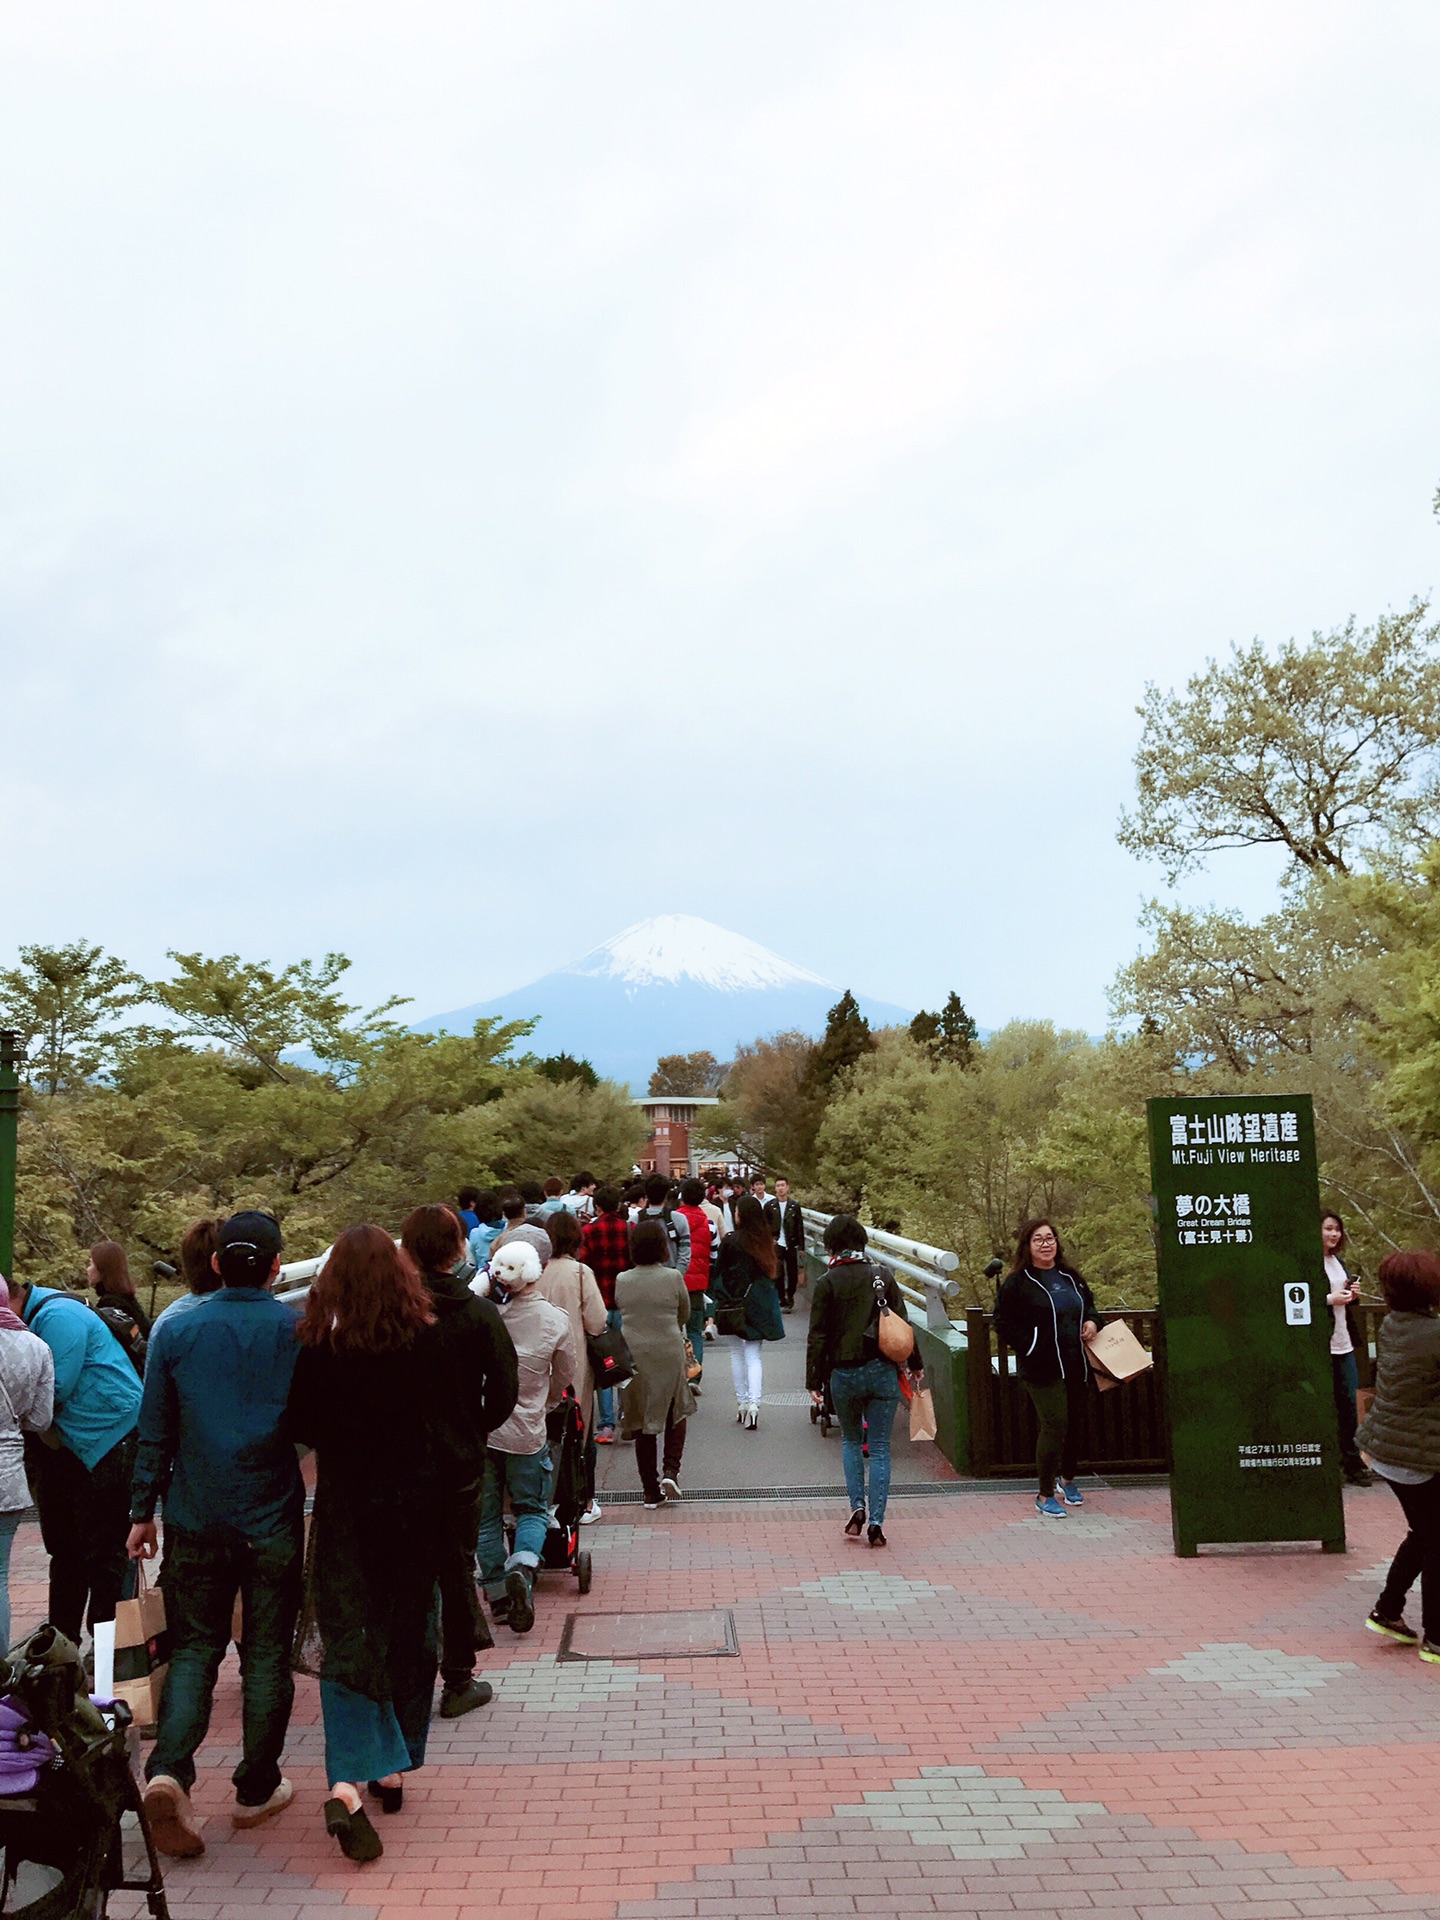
865	1400
526	1478
695	1331
201	1576
8	1524
605	1417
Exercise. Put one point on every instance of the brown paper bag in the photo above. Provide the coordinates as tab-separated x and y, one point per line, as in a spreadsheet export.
922	1414
1115	1356
142	1650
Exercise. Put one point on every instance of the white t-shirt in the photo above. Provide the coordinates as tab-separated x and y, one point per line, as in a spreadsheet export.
1340	1341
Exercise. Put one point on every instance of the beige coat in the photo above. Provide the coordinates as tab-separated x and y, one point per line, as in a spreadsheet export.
570	1285
655	1310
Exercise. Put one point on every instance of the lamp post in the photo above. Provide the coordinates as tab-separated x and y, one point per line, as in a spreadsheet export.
9	1145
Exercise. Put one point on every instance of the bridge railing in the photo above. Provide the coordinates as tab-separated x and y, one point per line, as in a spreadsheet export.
924	1275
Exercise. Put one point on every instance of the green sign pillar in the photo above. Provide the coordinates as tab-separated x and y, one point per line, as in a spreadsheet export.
9	1133
1253	1433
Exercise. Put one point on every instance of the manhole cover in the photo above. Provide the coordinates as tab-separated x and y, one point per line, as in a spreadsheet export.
703	1634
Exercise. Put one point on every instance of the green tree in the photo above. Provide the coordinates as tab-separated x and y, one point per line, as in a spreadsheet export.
65	1003
763	1107
686	1073
949	1034
1326	751
260	1014
557	1068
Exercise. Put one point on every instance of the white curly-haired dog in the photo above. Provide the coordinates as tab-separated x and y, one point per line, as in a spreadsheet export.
515	1266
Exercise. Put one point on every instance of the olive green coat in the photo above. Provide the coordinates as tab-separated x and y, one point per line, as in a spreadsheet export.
654	1312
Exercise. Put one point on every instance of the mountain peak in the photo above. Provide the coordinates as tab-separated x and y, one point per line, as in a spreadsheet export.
673	947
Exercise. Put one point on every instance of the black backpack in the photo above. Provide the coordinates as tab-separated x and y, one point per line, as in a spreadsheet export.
127	1333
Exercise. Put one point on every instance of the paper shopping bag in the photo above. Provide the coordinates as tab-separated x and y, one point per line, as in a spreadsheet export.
142	1650
922	1414
1115	1356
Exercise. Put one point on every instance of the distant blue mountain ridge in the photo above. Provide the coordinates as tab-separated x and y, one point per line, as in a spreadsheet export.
674	984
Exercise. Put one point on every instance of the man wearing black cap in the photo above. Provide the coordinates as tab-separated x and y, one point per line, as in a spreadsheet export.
212	1443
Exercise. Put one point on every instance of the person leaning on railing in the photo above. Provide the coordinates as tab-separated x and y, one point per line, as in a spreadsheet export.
1045	1313
1401	1434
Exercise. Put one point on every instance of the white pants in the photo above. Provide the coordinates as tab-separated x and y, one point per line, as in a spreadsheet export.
745	1370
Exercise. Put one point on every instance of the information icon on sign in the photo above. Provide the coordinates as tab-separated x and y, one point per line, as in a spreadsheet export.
1297	1305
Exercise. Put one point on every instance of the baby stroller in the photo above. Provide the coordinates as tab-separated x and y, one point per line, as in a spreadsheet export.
824	1415
562	1552
65	1783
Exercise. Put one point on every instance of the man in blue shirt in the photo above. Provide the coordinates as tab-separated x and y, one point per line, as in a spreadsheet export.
213	1446
80	1470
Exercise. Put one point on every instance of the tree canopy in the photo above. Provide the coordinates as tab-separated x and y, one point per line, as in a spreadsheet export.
1326	751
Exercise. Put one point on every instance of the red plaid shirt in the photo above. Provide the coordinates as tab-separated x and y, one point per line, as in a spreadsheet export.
607	1251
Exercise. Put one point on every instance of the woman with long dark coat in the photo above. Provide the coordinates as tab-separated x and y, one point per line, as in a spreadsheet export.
370	1366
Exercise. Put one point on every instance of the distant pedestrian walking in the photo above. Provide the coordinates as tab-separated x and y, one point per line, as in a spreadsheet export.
1045	1313
747	1305
843	1351
787	1223
1401	1434
658	1399
607	1254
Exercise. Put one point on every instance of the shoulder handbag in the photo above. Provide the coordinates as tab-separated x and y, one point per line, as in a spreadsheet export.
895	1335
730	1313
611	1363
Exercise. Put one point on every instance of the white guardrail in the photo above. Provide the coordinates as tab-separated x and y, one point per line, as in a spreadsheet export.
923	1274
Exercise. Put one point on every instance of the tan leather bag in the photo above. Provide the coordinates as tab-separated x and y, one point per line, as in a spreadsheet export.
895	1334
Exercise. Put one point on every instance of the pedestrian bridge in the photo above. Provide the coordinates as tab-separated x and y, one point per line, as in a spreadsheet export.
985	1425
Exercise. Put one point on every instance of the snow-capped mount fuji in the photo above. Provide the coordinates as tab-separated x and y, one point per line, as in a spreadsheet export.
673	984
681	946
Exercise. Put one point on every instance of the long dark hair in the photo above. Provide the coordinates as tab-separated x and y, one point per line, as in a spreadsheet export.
752	1230
1329	1213
367	1298
1028	1229
112	1269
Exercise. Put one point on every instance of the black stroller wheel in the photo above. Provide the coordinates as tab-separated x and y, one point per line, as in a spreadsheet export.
583	1570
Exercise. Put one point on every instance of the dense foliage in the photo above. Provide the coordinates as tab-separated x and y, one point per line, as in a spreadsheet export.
147	1104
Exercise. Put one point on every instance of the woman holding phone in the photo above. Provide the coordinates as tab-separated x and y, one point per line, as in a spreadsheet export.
1344	1338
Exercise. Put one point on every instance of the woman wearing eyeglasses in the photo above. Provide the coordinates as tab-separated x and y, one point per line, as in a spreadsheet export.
1045	1313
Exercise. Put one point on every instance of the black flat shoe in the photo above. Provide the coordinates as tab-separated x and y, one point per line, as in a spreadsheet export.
875	1534
391	1799
358	1839
855	1524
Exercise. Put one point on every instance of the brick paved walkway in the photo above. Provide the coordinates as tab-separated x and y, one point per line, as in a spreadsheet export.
997	1716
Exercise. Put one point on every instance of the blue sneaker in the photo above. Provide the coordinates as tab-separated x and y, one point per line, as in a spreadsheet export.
1047	1504
1071	1494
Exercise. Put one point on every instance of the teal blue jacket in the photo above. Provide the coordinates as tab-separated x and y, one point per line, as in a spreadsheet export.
97	1390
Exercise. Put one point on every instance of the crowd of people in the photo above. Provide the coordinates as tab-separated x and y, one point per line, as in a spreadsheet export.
426	1376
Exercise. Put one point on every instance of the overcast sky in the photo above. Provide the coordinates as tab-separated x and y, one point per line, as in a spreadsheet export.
474	476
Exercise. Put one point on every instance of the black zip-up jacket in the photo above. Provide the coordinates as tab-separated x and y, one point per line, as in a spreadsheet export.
1026	1321
474	1378
845	1321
